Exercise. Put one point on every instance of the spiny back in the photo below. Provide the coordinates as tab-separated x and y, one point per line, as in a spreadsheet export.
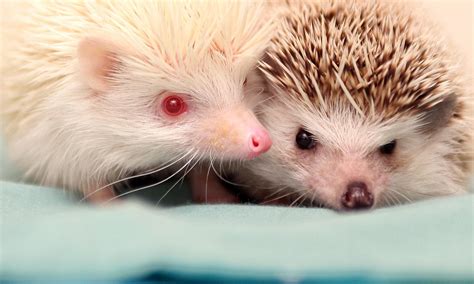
375	56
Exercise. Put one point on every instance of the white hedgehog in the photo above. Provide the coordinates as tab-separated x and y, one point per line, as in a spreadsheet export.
96	90
367	110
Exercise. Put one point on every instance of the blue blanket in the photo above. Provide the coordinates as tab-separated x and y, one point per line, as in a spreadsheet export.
47	235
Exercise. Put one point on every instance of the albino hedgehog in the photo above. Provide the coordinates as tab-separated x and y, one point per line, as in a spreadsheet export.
94	91
367	110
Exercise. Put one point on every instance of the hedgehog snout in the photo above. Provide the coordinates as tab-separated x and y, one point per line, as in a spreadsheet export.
259	142
236	134
357	196
345	181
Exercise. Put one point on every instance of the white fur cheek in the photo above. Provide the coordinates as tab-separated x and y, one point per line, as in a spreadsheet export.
52	151
275	174
275	170
428	169
90	141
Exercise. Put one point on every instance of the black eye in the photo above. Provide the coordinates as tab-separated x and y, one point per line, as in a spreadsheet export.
305	140
388	148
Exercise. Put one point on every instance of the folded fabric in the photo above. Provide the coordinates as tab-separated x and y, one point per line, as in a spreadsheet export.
46	234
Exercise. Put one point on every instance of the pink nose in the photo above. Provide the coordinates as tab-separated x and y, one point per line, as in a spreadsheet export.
259	143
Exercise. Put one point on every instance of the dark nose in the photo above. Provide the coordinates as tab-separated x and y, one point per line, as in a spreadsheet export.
357	196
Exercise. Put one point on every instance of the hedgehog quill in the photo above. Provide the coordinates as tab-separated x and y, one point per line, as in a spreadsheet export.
367	110
94	91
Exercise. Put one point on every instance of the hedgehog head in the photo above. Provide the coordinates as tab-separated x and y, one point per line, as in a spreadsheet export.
189	59
365	111
126	86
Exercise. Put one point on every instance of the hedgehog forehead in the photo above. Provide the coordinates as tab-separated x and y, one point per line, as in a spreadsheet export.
340	129
372	56
212	83
205	54
216	82
182	38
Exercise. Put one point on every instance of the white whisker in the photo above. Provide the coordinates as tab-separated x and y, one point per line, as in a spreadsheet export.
276	192
296	200
227	181
154	184
182	178
136	176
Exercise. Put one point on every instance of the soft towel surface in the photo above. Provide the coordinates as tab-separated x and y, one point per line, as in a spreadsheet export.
47	235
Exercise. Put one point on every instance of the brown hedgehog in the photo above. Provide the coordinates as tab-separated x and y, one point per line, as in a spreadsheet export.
367	110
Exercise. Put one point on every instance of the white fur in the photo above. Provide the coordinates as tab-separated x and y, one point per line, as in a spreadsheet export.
348	150
63	133
357	75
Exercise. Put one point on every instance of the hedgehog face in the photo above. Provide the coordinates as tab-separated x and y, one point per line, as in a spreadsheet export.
344	161
335	159
366	110
201	108
180	89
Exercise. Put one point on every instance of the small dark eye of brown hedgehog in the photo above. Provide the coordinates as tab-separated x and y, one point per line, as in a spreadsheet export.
370	97
305	140
388	148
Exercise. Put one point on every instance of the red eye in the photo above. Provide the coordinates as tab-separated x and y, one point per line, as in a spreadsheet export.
174	105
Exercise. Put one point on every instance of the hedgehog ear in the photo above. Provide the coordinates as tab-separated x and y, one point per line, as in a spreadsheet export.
438	116
97	62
